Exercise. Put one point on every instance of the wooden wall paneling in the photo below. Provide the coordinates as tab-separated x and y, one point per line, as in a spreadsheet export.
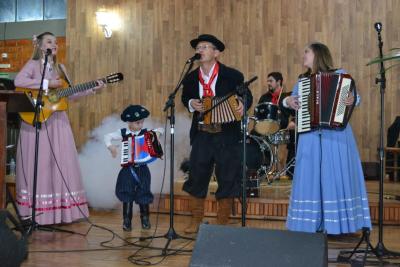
260	36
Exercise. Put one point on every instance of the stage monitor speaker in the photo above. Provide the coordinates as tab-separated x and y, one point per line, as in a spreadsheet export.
234	246
13	248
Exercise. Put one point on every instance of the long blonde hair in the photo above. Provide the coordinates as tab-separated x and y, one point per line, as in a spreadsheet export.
38	53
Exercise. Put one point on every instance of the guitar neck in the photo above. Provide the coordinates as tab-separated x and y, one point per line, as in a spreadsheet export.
65	92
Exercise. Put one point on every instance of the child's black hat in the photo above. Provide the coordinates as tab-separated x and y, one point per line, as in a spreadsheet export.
134	113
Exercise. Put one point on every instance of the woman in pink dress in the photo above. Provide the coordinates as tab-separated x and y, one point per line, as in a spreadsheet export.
60	196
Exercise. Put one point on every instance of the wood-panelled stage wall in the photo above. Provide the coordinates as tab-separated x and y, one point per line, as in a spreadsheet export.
152	45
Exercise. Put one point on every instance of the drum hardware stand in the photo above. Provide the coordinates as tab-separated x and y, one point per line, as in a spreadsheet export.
275	163
262	171
290	164
37	124
379	251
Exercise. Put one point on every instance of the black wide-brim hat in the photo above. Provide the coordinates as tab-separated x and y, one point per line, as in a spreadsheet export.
208	38
134	113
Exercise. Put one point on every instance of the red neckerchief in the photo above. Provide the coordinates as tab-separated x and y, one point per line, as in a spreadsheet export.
207	91
275	96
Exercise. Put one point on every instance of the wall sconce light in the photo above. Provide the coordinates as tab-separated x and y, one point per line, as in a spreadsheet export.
108	21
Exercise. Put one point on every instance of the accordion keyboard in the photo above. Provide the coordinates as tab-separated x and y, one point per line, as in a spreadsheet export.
126	151
303	113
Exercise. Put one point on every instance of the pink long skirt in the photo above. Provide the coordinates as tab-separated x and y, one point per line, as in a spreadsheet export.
60	197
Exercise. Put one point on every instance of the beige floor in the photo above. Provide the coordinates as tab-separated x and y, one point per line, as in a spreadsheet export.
60	249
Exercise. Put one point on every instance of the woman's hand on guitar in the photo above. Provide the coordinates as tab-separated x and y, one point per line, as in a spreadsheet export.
55	83
113	150
100	85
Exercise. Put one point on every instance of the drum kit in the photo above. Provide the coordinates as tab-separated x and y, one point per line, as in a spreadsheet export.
263	141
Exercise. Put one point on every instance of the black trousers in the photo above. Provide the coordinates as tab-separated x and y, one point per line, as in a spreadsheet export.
128	189
209	150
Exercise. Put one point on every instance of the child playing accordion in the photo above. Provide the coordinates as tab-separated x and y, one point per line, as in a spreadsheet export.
138	148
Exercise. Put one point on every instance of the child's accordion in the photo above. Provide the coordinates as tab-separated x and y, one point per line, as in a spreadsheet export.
141	149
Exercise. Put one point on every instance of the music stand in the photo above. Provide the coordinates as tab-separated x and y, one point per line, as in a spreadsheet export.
10	102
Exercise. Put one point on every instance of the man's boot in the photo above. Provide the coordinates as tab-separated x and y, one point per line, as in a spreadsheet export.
196	206
145	216
127	216
224	210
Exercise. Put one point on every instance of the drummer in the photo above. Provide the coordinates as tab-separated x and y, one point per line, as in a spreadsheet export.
275	95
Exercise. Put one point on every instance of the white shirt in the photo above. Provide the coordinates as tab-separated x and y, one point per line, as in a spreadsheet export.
206	78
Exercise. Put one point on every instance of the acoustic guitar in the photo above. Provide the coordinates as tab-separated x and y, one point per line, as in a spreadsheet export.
56	99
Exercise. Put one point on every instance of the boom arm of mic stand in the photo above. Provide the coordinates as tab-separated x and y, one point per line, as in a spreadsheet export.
171	97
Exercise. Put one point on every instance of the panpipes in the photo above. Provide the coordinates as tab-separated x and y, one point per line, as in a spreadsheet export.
141	149
322	99
224	110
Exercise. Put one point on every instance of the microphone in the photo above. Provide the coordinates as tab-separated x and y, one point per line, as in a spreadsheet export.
48	52
378	26
241	89
195	57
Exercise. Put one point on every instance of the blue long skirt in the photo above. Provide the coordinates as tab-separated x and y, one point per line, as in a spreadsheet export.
328	191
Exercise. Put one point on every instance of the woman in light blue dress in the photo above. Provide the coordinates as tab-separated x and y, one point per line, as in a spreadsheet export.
328	191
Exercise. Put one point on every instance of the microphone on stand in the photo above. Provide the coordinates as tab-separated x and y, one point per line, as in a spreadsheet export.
48	52
250	81
242	88
378	27
194	58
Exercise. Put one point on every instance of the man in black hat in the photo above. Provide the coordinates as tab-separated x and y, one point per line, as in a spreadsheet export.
218	144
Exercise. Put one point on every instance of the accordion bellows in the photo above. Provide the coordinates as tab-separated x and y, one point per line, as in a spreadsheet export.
220	110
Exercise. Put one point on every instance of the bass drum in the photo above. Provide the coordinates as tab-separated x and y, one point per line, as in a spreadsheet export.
259	157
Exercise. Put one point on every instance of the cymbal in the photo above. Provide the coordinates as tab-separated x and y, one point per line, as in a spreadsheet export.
393	55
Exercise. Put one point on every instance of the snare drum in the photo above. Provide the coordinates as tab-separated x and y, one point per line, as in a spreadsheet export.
267	118
280	138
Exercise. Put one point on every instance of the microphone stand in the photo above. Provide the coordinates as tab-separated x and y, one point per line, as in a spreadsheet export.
380	247
170	104
243	90
244	164
379	251
37	124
